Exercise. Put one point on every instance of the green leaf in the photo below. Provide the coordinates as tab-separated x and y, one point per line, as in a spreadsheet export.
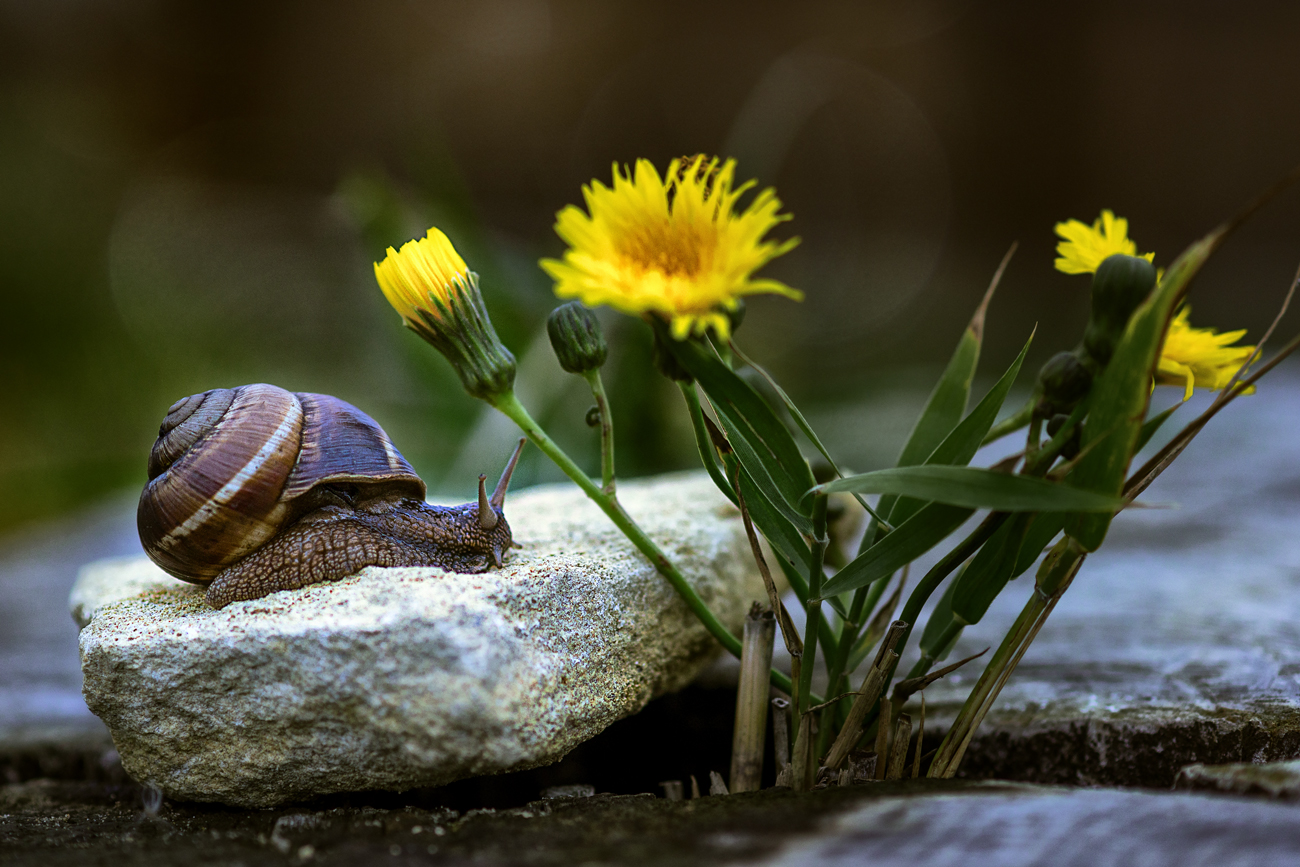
1042	530
988	571
763	444
944	409
965	439
797	578
757	467
708	452
1121	394
947	402
938	623
798	416
975	488
1151	425
778	531
918	534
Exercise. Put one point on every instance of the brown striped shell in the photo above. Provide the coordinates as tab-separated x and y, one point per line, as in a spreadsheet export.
231	467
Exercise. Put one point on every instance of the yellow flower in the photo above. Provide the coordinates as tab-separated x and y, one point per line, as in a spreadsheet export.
1083	247
1198	356
673	246
430	285
426	270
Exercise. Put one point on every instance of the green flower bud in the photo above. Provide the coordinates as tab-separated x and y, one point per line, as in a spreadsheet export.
577	338
1119	286
1063	381
438	297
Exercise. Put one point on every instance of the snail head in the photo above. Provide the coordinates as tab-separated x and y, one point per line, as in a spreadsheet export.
490	515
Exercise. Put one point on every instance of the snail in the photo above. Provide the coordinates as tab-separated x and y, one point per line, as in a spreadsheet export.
257	489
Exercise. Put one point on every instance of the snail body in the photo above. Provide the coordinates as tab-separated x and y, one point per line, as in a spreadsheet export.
257	489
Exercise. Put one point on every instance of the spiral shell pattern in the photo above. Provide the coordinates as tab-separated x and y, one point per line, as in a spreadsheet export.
231	468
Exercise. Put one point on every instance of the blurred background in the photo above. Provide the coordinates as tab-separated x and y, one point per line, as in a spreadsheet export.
191	196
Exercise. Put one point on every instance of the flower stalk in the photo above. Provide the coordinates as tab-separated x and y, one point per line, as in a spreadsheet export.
508	404
606	431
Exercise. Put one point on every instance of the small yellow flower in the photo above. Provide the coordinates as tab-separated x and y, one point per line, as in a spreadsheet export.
672	246
430	285
1083	247
1198	356
422	276
1190	356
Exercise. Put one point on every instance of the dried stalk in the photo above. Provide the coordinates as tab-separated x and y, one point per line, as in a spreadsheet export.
781	733
920	740
748	739
882	739
904	689
873	686
802	767
898	752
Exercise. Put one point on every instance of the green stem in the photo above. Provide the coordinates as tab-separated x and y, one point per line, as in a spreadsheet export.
979	693
1045	456
938	572
606	430
840	665
1054	578
1033	441
1011	423
708	454
813	609
510	406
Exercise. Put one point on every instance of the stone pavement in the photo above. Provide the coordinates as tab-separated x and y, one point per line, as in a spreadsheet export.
914	824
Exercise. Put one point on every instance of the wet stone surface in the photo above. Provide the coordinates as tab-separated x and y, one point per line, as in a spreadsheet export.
913	823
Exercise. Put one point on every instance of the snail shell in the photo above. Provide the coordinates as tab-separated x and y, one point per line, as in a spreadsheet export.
236	472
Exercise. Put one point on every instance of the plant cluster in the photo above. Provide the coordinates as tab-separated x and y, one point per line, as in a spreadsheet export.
680	250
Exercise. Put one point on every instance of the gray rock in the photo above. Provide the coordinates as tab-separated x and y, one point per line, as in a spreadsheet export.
1274	779
397	678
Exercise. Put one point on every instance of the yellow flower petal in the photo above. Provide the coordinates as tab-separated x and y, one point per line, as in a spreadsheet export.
1199	357
673	246
430	285
424	270
1084	247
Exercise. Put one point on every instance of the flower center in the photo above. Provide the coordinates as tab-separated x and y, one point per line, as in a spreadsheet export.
672	250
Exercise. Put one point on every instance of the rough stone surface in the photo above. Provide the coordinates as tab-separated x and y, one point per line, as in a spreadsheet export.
1274	779
397	678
